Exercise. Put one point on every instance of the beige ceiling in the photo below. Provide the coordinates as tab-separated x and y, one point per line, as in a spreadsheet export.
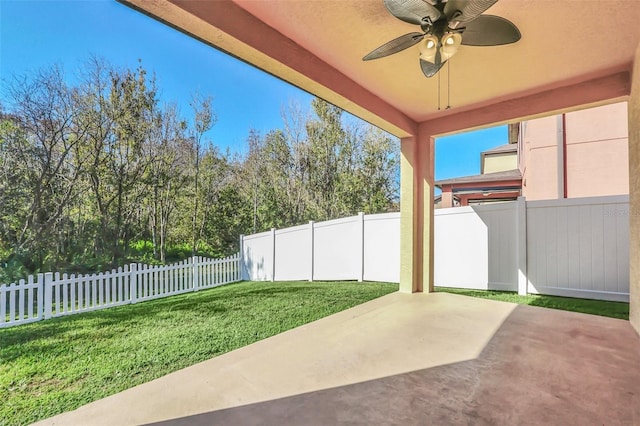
563	42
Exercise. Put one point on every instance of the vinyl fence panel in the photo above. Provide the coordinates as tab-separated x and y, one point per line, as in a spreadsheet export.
579	247
258	256
337	249
294	248
475	247
382	247
461	256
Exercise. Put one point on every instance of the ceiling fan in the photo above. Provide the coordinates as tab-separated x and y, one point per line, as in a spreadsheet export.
445	26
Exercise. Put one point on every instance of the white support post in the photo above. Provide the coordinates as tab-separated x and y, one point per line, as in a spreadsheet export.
273	252
133	283
361	248
194	272
560	141
40	296
48	294
521	209
241	268
311	254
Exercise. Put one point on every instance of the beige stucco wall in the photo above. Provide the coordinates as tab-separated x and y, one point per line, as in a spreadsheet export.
500	162
634	195
540	158
596	156
597	151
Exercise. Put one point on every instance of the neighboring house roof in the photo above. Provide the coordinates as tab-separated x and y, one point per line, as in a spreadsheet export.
508	147
487	177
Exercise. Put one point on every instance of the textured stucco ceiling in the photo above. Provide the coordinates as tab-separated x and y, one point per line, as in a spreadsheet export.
563	42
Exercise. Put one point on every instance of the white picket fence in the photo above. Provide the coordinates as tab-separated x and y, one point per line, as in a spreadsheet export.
52	295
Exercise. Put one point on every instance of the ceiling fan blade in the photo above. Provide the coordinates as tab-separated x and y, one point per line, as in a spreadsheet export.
429	69
412	11
462	11
394	46
489	30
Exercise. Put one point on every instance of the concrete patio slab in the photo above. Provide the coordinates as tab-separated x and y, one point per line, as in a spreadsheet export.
404	359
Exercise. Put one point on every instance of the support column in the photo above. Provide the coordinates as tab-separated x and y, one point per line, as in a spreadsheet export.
416	214
634	195
447	197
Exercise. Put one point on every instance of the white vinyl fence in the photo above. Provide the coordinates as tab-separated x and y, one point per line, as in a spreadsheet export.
579	247
570	247
362	247
52	294
477	247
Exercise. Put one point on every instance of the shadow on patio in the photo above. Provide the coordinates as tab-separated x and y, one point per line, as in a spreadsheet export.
405	359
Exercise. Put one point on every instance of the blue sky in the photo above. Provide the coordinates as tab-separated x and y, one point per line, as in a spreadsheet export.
35	34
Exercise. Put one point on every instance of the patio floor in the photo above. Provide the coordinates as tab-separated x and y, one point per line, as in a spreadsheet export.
404	359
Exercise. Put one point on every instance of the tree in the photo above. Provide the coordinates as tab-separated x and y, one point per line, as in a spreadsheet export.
326	139
39	143
226	215
318	168
378	174
91	173
204	119
122	116
167	151
253	170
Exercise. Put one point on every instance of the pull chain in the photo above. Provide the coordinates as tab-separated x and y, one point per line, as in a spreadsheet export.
438	91
448	85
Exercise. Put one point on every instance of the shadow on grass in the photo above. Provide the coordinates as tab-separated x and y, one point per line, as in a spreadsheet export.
120	347
619	310
125	315
205	302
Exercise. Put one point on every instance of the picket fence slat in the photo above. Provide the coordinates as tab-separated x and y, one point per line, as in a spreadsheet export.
53	294
3	304
30	298
12	303
17	302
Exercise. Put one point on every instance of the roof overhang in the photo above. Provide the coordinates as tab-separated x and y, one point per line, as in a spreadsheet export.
573	54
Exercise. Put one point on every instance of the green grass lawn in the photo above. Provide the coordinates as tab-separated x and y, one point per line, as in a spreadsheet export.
595	307
57	365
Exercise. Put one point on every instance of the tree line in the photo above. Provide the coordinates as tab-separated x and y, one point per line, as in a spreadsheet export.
99	173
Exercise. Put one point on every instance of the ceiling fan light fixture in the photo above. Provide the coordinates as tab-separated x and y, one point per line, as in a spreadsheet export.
450	43
429	48
442	24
